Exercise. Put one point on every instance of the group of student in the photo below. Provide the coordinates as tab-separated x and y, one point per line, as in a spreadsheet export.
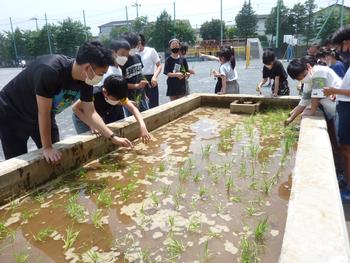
324	80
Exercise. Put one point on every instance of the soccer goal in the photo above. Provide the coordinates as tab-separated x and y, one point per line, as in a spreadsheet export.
254	52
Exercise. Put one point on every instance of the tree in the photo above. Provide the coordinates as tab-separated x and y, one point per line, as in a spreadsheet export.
309	32
297	19
211	29
333	22
230	32
246	21
285	27
162	32
139	24
69	36
184	32
117	31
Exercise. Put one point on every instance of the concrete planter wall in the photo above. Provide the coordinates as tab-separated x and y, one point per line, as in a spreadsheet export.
315	229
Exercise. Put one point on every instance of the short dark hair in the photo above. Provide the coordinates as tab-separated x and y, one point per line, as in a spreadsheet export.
268	57
340	35
132	38
143	39
94	53
183	47
298	65
116	86
119	44
315	45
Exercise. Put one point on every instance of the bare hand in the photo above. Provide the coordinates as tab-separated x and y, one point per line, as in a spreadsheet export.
52	156
154	82
220	93
142	84
122	142
274	94
144	135
179	75
328	91
95	131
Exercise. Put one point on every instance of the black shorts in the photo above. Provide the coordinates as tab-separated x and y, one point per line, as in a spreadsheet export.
343	109
283	89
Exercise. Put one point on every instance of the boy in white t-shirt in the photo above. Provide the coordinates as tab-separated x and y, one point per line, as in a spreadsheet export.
315	78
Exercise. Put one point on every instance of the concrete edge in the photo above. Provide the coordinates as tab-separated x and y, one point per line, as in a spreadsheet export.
29	171
315	228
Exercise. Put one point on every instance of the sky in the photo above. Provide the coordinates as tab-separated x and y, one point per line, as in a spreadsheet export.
103	11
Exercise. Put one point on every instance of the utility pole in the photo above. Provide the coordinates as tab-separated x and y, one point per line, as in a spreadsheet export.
174	33
36	22
127	17
278	23
342	14
221	25
14	41
85	29
137	8
48	34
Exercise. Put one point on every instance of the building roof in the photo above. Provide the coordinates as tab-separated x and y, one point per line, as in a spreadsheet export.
116	23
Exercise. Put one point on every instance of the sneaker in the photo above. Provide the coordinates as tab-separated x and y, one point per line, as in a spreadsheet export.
345	195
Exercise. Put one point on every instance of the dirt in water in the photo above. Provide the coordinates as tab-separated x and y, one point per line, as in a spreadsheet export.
210	187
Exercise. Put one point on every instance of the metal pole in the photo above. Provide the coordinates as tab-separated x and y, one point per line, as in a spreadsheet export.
85	29
48	34
137	8
221	25
342	14
278	23
174	20
127	17
14	41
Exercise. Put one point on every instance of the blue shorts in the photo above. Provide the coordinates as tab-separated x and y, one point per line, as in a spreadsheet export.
343	109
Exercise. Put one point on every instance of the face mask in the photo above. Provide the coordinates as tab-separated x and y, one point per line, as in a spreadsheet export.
95	80
132	52
112	102
175	50
121	60
307	79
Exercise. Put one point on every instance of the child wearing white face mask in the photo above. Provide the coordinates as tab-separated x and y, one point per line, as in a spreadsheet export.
306	71
109	101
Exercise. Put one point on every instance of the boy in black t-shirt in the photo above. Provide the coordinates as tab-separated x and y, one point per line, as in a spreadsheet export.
176	68
29	102
132	72
274	69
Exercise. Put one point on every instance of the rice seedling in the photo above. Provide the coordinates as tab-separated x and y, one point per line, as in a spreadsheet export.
93	256
249	251
165	190
203	192
215	178
161	167
5	231
145	255
106	160
155	199
253	185
207	254
70	238
74	210
152	174
132	169
194	225
251	210
267	186
105	198
225	145
175	248
229	184
27	215
226	133
254	150
243	169
81	172
236	199
171	223
197	177
261	229
43	234
125	191
39	197
21	257
206	150
96	218
219	208
184	173
177	201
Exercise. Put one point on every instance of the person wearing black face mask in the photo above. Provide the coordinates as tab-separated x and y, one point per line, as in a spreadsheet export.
176	68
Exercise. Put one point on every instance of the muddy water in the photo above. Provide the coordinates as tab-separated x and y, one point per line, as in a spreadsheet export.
170	201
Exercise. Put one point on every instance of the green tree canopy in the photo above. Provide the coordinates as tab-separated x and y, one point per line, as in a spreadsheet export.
211	29
246	21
